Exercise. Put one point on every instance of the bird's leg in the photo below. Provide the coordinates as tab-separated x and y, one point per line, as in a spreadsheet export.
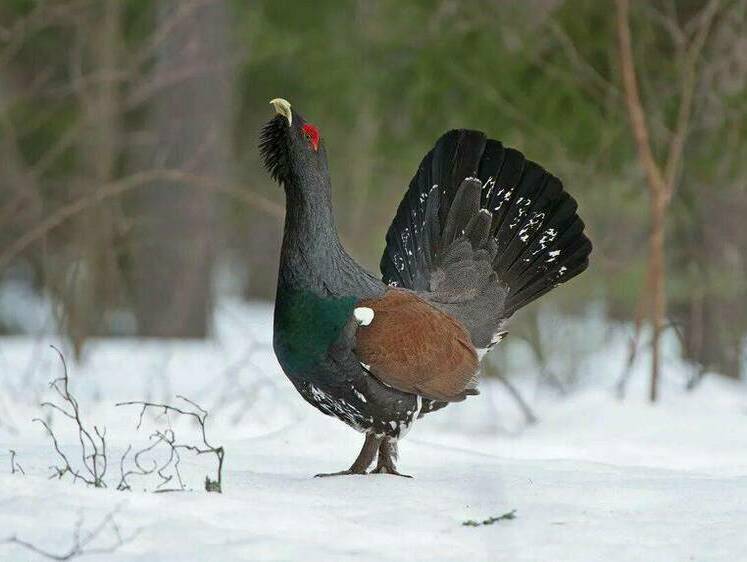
387	456
364	459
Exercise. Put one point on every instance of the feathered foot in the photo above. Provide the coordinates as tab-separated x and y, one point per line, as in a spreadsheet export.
387	456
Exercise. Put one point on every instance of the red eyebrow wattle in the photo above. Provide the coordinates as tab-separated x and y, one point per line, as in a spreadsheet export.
313	133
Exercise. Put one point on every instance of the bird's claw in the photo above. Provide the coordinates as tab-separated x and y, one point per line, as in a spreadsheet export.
340	473
388	470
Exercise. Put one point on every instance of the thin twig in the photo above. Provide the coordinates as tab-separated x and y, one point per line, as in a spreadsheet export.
200	416
125	185
529	416
14	466
687	90
633	99
92	449
81	541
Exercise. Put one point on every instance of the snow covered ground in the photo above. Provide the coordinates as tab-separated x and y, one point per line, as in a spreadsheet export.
595	479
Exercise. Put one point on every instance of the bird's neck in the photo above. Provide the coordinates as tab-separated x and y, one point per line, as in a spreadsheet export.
312	304
311	249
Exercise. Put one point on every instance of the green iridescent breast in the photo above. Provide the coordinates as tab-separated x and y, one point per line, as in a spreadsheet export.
306	325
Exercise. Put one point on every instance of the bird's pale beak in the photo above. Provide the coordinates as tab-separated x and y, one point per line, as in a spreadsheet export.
283	107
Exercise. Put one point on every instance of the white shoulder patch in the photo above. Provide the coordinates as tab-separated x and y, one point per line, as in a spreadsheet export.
363	315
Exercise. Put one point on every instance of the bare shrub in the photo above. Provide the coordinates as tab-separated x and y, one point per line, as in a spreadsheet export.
92	443
93	446
168	438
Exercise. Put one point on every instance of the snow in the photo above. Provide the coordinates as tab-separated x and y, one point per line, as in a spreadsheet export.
596	479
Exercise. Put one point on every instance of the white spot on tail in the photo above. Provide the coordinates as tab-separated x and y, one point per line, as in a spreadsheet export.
497	337
363	315
553	256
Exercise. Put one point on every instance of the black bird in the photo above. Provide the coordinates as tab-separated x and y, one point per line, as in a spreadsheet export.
480	233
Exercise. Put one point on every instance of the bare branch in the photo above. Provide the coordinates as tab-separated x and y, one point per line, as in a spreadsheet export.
92	448
633	99
168	437
661	184
529	417
44	15
14	466
580	64
81	543
687	90
120	187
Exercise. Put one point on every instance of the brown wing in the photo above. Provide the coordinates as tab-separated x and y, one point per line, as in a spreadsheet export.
414	347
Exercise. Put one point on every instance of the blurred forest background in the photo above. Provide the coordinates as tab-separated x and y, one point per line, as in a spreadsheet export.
132	198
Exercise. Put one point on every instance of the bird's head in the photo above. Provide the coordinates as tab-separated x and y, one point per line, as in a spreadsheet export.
292	149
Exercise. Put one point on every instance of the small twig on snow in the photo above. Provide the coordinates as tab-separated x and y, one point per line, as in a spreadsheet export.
200	416
490	520
14	466
92	444
81	545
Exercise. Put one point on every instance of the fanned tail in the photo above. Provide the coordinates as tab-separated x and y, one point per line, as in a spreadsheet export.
515	215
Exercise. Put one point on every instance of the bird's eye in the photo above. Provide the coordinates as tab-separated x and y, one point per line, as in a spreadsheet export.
312	133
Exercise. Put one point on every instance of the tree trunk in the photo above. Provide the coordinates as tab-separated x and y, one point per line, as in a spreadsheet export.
657	279
95	286
712	247
175	250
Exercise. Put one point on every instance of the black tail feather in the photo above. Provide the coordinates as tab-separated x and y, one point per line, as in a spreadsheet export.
530	227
